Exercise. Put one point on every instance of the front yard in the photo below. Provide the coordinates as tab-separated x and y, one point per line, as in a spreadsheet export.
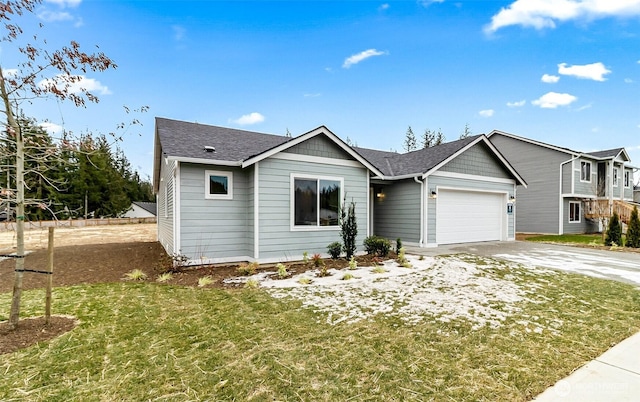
451	328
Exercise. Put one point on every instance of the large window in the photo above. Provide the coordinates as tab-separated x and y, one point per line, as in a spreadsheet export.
585	171
627	179
218	185
316	201
574	212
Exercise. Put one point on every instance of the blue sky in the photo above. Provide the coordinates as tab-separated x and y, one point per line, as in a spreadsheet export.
566	72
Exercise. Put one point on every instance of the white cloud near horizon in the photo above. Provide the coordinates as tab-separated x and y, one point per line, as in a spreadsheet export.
552	100
486	113
357	58
516	104
550	79
593	71
51	128
541	14
249	119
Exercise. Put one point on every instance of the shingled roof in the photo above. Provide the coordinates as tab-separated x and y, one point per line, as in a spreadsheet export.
187	140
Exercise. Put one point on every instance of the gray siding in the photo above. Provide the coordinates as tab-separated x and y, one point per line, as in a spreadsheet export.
320	145
166	205
467	184
628	191
584	226
538	204
398	213
479	161
277	239
213	228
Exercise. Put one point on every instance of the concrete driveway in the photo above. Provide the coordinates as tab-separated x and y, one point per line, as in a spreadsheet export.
616	265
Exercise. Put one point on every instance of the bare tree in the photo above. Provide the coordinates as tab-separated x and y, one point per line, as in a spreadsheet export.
41	73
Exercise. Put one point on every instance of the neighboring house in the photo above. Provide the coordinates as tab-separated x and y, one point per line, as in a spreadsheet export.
568	191
636	194
140	209
231	195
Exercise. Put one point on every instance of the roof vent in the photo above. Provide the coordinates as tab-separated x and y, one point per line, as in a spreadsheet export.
209	148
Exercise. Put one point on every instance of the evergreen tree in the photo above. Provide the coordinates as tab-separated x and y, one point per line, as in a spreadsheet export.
428	138
466	132
614	231
410	142
633	230
348	228
440	138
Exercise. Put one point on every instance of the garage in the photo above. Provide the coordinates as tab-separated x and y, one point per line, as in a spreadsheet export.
469	216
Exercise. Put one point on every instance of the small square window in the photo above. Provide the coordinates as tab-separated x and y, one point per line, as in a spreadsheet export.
574	212
218	185
585	171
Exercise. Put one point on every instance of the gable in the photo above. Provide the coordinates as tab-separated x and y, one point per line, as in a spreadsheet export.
478	160
321	146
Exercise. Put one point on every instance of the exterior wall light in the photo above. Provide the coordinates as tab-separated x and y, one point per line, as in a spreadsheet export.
512	198
433	194
380	195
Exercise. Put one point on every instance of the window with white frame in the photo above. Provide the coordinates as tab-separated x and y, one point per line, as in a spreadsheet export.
574	211
585	171
627	179
316	201
615	177
218	185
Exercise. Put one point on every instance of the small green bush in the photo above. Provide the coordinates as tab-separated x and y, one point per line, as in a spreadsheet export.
377	245
353	264
282	271
614	231
335	249
248	269
398	245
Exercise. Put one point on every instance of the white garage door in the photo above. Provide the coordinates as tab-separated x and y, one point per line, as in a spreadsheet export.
469	216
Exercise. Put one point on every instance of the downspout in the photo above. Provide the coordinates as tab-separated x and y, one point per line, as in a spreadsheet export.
422	207
560	198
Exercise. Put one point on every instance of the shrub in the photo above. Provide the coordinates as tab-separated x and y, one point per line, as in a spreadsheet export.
398	245
305	281
349	228
164	277
282	271
377	245
247	269
317	260
136	275
353	264
633	230
252	283
204	281
378	270
335	249
305	257
347	276
614	231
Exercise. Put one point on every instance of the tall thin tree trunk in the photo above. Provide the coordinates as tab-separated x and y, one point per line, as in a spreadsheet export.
14	316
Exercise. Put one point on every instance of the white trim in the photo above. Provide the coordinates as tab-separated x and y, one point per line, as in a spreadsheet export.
204	161
176	209
256	211
317	159
534	142
222	173
473	177
425	222
579	212
588	196
590	171
369	207
292	217
573	172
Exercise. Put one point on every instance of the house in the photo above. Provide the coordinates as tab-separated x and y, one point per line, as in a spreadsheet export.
232	195
569	191
636	194
140	209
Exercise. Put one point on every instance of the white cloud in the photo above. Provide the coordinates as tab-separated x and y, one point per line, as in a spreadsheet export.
550	79
51	128
312	95
552	100
540	14
248	119
486	113
357	58
427	3
628	81
83	84
54	16
178	32
65	3
593	71
585	107
517	104
383	7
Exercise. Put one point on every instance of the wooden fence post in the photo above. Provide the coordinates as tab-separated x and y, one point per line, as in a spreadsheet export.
47	307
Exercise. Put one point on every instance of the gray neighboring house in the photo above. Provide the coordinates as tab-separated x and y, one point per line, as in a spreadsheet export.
568	191
636	194
227	195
